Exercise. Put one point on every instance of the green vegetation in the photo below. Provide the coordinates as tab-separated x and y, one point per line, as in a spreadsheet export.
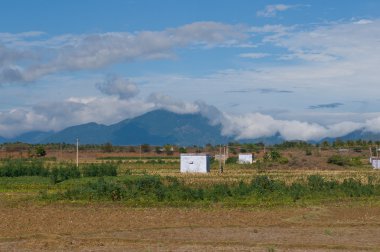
62	172
344	160
99	170
58	172
138	158
261	190
275	156
279	177
22	167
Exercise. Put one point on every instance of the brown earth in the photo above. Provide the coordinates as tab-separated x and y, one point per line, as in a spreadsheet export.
113	227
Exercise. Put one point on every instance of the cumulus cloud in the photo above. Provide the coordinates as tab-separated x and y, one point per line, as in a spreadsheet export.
110	109
271	10
91	51
255	125
166	102
118	86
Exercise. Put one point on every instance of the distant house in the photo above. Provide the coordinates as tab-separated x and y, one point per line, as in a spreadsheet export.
375	163
194	162
245	158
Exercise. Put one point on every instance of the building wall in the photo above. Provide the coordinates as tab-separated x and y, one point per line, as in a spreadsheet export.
195	163
245	158
375	163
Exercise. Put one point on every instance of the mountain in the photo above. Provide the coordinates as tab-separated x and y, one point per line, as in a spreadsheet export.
32	137
158	127
356	135
89	133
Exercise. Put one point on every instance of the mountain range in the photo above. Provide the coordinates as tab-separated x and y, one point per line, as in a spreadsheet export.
157	127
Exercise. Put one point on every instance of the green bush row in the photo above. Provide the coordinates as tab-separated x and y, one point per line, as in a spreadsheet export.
57	172
21	167
170	190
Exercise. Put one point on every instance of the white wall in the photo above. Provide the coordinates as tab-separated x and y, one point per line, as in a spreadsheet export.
245	158
375	164
195	163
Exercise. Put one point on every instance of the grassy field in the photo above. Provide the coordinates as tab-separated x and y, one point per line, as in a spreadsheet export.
148	205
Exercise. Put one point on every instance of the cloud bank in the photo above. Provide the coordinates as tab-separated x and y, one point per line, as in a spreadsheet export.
93	51
111	109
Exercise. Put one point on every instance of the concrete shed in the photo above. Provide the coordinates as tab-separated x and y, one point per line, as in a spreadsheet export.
245	158
375	163
194	162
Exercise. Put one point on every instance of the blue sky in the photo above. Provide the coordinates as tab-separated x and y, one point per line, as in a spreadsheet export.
305	69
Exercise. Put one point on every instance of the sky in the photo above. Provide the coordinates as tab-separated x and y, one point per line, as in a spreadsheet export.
304	69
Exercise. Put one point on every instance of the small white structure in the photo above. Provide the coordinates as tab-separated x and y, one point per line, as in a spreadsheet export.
191	162
245	158
375	163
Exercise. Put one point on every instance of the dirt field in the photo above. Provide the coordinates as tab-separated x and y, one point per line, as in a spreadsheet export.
112	227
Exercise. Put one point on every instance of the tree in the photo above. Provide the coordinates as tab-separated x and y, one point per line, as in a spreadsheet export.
145	148
107	147
169	149
38	151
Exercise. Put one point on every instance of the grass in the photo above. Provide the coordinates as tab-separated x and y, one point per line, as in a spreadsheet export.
155	184
24	184
148	190
138	158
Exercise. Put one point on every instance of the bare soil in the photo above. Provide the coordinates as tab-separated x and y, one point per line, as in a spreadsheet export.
114	227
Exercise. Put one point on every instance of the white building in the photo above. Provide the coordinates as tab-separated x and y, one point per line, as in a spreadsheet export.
245	158
195	163
375	163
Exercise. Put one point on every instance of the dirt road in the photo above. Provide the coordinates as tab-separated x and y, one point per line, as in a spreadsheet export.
110	227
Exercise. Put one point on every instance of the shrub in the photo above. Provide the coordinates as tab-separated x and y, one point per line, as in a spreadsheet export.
297	191
272	156
64	172
354	188
344	161
99	170
283	160
23	167
218	192
316	182
338	160
262	184
150	189
231	160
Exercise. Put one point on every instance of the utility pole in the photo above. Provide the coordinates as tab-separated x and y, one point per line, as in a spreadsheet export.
77	152
224	158
220	159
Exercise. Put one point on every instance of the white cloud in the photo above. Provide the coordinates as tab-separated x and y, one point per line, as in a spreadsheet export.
254	55
255	125
116	85
271	10
166	102
363	21
107	110
74	53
